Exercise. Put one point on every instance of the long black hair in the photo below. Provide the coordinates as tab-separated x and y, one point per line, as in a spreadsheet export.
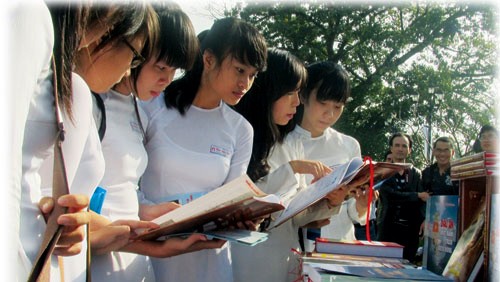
176	44
125	21
69	22
285	73
227	37
73	19
332	82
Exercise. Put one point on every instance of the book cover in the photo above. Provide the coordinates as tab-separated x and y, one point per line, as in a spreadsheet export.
353	174
359	247
468	249
216	210
441	231
387	273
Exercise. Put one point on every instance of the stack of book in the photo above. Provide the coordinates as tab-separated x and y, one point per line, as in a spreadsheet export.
480	164
356	260
359	247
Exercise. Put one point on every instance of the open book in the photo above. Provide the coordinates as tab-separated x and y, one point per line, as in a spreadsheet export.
352	174
216	209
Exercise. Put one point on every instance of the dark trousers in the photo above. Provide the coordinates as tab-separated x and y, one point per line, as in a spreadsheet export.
403	233
360	230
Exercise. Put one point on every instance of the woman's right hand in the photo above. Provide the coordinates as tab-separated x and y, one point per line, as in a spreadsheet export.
195	242
315	168
116	235
337	196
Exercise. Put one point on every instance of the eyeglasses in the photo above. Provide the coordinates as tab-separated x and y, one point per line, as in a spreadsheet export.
138	59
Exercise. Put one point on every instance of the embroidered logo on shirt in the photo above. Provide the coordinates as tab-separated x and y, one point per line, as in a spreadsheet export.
214	149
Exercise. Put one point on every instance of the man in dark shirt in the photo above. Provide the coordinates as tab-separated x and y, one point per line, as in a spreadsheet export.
436	177
401	200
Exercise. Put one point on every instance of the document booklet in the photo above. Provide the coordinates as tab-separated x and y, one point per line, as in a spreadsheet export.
240	236
352	174
216	210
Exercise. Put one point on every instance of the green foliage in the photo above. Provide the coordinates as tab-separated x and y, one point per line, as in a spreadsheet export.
395	54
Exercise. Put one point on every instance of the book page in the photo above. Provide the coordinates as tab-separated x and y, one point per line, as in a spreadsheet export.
317	190
235	191
381	171
219	209
354	173
354	166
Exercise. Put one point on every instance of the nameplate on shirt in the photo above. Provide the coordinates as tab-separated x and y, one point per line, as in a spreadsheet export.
214	149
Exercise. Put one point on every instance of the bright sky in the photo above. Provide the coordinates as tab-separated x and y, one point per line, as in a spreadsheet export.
199	11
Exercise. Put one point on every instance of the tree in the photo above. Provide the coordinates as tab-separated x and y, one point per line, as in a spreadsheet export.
395	55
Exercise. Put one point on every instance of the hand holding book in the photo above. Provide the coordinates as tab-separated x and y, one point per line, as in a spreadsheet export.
343	178
238	203
315	168
337	196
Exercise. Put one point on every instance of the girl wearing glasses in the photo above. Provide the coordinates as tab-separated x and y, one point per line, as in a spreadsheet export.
81	48
196	142
124	152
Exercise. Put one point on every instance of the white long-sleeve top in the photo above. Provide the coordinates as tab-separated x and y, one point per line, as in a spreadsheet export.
26	64
126	160
332	148
83	160
197	152
343	227
273	259
124	154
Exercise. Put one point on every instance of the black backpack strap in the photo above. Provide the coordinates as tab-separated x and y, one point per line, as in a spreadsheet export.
100	105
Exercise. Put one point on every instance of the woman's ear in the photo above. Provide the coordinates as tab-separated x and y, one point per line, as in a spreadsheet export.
303	100
209	60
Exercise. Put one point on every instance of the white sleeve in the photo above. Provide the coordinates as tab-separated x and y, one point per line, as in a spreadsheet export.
27	22
353	212
318	211
77	131
282	182
356	149
242	151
